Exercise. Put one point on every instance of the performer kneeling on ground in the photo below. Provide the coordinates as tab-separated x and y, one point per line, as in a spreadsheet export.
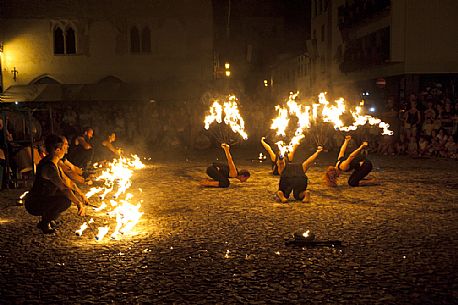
220	173
50	194
355	162
293	178
274	157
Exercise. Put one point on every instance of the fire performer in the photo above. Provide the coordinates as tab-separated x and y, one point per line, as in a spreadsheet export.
82	150
355	162
106	150
289	156
293	178
71	171
220	173
51	195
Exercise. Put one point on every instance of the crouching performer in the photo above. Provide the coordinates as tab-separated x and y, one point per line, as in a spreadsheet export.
355	162
293	178
220	172
50	194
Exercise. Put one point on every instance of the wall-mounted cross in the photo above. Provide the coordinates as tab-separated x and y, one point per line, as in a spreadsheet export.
15	73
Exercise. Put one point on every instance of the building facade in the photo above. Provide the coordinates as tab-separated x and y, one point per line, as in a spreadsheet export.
152	50
384	48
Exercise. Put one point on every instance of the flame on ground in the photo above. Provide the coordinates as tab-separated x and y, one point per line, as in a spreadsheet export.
117	178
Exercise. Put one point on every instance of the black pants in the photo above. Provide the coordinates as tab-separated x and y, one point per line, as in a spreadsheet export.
297	185
215	174
360	173
49	208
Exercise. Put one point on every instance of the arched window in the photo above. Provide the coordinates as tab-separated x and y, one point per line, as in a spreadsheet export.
146	40
134	40
59	47
70	41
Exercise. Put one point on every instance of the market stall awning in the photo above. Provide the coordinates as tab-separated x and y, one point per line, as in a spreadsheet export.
22	93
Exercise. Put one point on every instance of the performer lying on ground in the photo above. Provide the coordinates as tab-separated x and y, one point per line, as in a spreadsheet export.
355	162
51	195
293	178
220	173
274	157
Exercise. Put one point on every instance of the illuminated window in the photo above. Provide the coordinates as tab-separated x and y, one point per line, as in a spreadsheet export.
134	40
146	40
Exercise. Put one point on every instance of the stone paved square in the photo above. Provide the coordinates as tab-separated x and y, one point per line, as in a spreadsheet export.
196	245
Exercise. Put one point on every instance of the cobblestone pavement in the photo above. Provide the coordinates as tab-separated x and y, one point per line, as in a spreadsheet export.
196	245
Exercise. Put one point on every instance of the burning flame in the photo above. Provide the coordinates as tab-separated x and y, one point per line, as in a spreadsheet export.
232	116
329	113
117	178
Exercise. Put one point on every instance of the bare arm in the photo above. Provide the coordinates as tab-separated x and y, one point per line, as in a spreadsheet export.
343	148
81	141
291	153
346	164
308	163
111	147
230	162
268	149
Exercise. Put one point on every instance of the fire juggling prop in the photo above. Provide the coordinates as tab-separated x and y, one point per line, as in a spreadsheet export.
116	180
314	116
230	115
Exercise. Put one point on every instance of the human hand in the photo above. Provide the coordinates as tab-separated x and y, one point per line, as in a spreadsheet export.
347	138
81	210
224	146
263	139
364	144
319	148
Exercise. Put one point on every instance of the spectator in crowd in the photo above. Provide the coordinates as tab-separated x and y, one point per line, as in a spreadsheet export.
423	146
412	147
429	117
5	137
411	119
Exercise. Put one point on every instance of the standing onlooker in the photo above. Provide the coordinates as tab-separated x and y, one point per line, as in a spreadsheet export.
411	119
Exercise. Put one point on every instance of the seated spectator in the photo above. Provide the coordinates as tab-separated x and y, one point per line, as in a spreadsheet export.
81	151
423	146
451	148
5	137
442	136
400	146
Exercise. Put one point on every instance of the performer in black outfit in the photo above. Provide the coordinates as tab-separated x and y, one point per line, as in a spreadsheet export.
355	162
293	178
50	194
220	172
81	151
289	156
